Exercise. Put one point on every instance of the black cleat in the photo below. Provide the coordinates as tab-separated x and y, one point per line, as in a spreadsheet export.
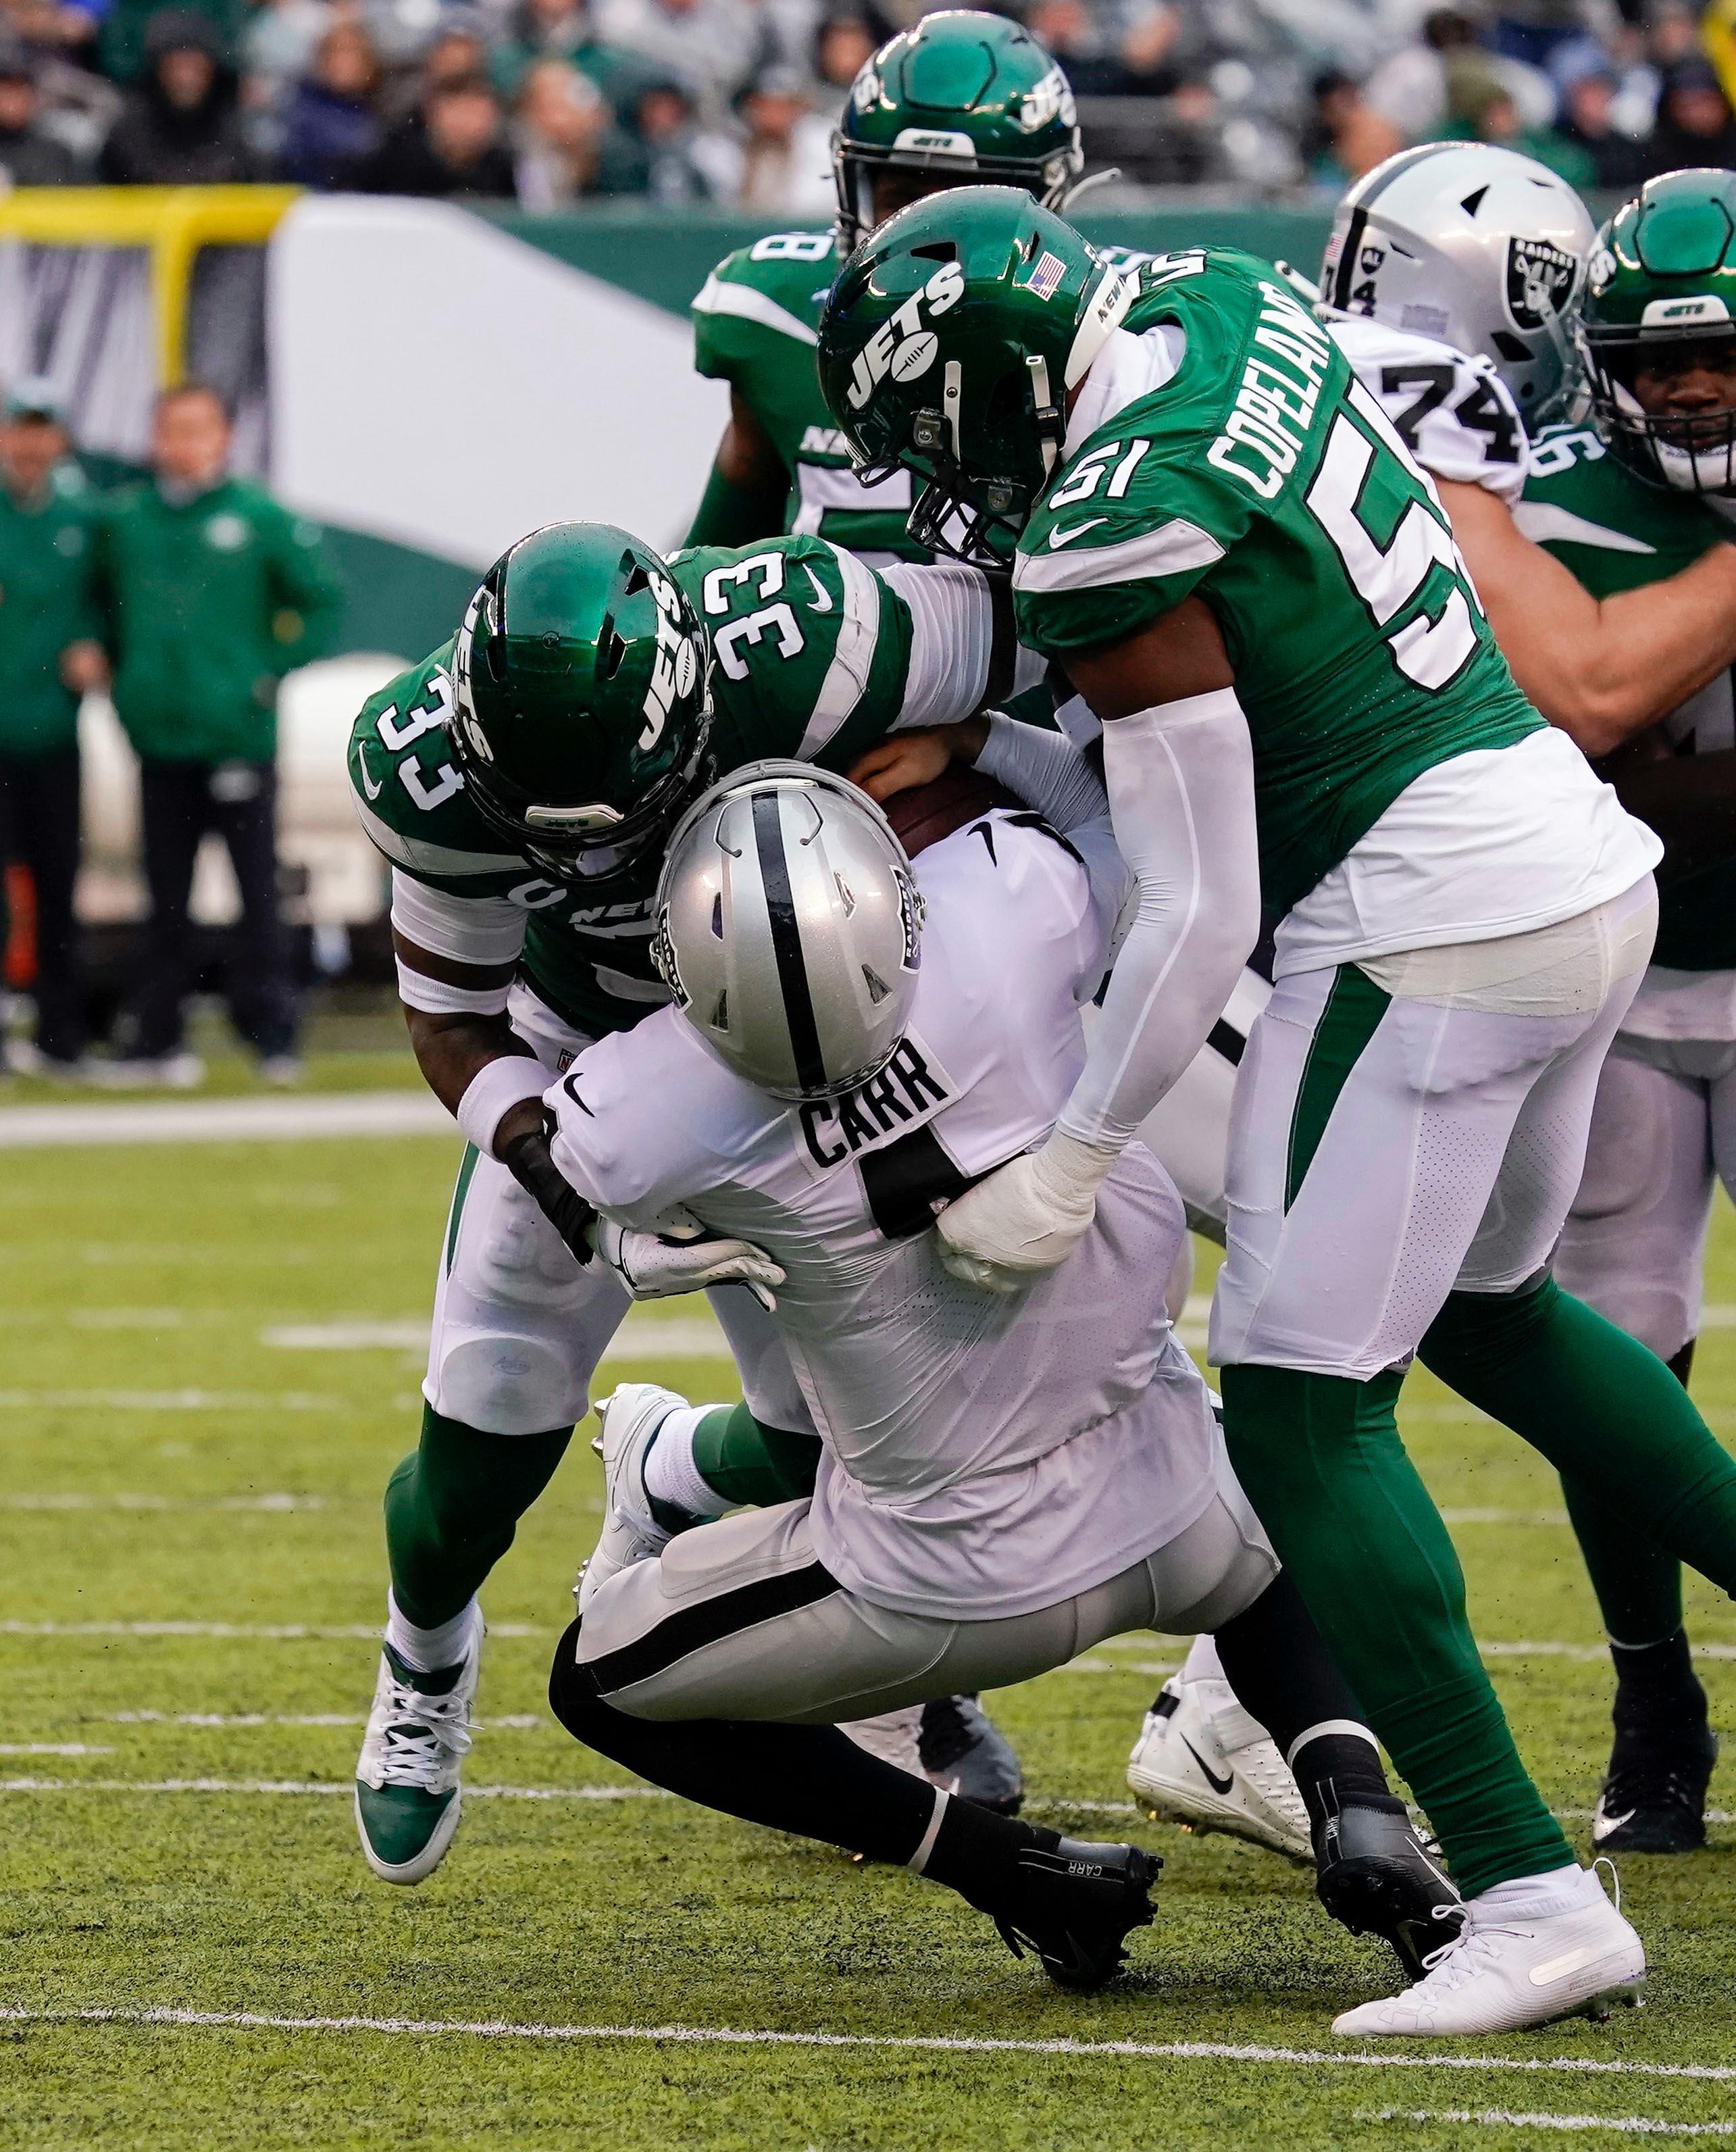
962	1749
1075	1904
1654	1798
1376	1875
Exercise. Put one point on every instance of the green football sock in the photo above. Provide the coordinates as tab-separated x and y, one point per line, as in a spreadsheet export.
1638	1583
452	1506
1600	1407
752	1465
1322	1461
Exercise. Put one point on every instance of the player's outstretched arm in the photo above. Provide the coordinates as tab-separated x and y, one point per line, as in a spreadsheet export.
1602	669
749	486
1179	766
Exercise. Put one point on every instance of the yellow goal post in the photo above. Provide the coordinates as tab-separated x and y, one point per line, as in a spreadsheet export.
170	224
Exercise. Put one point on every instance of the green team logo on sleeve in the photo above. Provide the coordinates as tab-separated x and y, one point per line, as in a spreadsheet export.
1265	477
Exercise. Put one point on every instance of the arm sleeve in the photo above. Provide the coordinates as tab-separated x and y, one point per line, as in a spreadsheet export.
1046	771
469	929
1181	792
732	514
962	640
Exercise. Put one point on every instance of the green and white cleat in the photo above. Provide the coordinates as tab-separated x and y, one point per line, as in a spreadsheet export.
630	1419
406	1776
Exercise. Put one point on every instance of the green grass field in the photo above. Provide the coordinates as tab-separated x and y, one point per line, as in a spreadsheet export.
191	1567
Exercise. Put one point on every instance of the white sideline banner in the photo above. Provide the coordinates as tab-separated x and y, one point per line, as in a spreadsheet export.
439	383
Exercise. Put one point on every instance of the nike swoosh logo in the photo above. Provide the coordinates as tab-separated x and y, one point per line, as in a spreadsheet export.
1558	1969
1058	537
1217	1785
368	786
823	596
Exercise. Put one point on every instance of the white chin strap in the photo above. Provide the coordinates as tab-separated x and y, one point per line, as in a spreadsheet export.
1040	390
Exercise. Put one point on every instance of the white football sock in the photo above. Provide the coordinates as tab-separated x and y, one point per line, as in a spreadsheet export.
1531	1897
1202	1662
428	1651
670	1474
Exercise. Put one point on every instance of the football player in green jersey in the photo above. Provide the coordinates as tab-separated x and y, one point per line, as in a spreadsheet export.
1628	616
1612	590
521	782
1224	540
962	97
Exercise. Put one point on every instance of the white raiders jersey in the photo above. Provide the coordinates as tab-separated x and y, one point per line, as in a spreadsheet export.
1453	412
981	1453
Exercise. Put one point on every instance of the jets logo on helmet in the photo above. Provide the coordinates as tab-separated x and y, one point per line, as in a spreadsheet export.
579	683
1008	321
899	346
961	98
1540	281
676	667
1051	99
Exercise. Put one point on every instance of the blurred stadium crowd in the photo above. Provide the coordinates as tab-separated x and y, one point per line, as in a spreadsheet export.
550	102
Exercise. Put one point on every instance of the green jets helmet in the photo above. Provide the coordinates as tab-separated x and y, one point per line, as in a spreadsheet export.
948	343
963	98
581	704
1661	281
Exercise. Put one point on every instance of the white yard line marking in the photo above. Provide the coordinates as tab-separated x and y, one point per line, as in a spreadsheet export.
270	1503
271	1632
52	1749
1206	2051
679	1338
227	1120
1500	2117
513	1721
318	1786
127	1318
171	1401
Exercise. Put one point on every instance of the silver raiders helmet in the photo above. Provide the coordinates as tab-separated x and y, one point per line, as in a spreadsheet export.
1472	246
789	929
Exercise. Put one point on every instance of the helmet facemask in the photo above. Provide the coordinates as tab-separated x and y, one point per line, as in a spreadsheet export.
1685	451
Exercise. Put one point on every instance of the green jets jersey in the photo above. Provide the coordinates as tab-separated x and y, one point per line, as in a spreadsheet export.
757	326
811	656
1265	477
1614	533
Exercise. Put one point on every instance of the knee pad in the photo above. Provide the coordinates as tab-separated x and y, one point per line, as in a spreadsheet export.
507	1384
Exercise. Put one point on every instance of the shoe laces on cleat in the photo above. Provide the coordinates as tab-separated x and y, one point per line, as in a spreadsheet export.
421	1735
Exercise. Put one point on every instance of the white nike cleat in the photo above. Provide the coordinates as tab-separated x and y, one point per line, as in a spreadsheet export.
1573	1955
630	1420
406	1776
1200	1761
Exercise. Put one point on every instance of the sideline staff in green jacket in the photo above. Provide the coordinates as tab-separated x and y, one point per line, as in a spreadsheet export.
46	659
211	592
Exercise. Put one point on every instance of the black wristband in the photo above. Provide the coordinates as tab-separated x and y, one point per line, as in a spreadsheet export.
530	1162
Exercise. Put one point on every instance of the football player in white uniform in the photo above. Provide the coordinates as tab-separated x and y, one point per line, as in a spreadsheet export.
1002	1482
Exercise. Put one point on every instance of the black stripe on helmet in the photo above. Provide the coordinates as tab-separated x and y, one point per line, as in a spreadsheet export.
799	1002
1347	259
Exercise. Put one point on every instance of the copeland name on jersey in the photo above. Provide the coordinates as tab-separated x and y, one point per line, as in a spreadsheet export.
815	657
1223	444
1616	533
969	1437
755	326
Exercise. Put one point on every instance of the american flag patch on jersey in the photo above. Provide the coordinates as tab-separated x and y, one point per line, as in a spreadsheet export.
1046	277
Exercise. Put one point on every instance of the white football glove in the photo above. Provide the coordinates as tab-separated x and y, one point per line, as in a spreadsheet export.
684	1258
1026	1219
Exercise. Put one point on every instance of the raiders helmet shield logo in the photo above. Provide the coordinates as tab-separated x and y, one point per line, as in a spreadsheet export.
1540	281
